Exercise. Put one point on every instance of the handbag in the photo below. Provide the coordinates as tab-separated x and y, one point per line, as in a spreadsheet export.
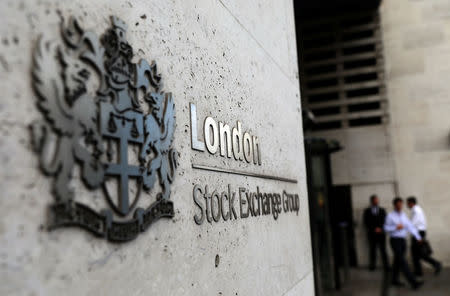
425	249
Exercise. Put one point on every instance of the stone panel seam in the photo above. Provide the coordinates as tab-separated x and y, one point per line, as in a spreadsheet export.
260	45
297	282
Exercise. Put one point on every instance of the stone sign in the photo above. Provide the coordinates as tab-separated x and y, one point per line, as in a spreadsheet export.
113	183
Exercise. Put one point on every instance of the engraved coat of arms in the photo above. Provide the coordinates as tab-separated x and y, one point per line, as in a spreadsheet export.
97	104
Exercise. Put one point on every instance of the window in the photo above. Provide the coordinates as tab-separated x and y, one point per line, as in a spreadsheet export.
342	71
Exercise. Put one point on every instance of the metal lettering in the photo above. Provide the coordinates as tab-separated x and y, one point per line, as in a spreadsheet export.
237	142
255	196
256	151
260	201
225	135
285	203
233	142
296	203
278	197
251	204
227	215
219	206
275	206
270	202
232	197
248	147
242	202
195	142
248	195
198	220
211	135
291	202
207	198
266	205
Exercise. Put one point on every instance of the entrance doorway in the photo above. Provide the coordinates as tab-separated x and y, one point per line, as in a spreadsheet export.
342	222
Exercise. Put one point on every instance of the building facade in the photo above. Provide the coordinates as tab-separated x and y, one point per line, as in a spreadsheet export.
211	139
405	152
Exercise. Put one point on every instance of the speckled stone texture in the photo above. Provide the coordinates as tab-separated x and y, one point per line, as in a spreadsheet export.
417	44
235	61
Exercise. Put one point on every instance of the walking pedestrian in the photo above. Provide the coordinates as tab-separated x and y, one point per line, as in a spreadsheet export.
397	225
418	219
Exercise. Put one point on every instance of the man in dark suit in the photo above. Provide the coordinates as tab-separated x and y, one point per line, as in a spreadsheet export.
374	217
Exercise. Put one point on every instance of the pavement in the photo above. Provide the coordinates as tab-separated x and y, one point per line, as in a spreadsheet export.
362	282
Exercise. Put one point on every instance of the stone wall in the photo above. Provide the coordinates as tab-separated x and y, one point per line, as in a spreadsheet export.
235	61
409	155
365	163
417	41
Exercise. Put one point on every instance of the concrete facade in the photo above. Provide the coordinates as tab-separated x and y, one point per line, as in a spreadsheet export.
417	42
366	164
235	61
409	155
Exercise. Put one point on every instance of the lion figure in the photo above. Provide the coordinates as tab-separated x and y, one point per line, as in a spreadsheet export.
159	131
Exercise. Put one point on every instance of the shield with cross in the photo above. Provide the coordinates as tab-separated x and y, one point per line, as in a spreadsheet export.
124	128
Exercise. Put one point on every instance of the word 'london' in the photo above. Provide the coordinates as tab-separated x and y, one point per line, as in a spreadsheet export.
232	142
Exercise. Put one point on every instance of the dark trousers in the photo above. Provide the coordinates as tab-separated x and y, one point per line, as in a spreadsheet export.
377	241
399	248
416	256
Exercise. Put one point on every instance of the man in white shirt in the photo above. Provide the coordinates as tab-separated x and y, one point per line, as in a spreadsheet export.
419	221
397	225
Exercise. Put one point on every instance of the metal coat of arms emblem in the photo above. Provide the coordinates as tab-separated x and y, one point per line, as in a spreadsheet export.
90	92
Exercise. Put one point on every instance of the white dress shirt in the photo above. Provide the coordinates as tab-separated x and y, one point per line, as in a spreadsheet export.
418	218
393	219
375	210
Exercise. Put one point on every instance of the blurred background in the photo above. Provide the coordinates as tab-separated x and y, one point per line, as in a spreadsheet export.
375	91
